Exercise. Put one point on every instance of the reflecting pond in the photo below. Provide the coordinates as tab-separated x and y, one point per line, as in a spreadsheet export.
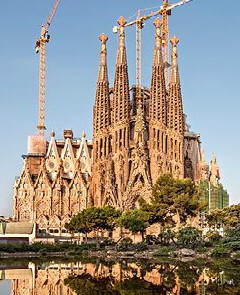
121	278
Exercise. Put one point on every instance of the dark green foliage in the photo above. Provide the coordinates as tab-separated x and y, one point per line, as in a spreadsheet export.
228	217
44	248
233	232
87	285
220	252
134	220
172	197
189	237
94	218
167	236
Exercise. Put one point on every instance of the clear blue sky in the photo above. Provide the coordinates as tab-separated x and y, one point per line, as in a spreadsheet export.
209	63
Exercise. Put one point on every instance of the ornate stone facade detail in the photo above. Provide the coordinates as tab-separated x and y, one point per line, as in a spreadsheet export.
54	187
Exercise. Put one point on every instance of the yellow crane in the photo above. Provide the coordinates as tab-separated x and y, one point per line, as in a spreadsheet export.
165	11
40	47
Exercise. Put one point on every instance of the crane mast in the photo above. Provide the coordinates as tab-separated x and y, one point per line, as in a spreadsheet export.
139	26
40	47
165	11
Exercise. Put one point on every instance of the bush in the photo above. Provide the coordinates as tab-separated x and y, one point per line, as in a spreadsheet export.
221	252
233	232
213	236
125	244
189	237
166	237
164	251
232	245
44	248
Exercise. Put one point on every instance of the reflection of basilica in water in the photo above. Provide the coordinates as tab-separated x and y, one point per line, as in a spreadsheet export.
115	279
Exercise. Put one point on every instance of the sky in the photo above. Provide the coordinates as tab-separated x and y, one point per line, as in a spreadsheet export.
208	59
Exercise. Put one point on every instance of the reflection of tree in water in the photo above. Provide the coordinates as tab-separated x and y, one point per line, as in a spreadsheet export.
178	279
224	278
188	277
85	284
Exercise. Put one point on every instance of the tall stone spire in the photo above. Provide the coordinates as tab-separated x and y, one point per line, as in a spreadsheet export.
101	130
158	87
158	110
175	118
121	103
102	117
175	105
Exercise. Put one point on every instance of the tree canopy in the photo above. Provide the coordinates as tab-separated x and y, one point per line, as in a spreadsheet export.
170	198
134	220
227	217
94	218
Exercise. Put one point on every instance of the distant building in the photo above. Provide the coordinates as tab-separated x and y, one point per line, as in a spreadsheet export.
212	191
17	232
138	134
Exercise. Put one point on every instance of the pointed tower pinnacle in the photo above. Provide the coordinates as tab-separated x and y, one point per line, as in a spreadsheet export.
121	103
204	167
174	69
102	102
158	87
175	105
214	171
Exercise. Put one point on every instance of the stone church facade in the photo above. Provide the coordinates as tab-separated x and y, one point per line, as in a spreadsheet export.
138	134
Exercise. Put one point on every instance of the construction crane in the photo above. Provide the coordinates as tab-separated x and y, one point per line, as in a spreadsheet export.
40	47
165	11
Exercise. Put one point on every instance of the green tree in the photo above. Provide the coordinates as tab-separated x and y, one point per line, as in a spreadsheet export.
227	217
94	219
134	220
172	198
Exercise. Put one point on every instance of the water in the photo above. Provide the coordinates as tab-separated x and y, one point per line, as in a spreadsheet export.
97	277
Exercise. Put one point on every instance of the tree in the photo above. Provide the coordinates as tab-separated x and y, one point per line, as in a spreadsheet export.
110	216
94	219
227	217
79	223
172	198
134	220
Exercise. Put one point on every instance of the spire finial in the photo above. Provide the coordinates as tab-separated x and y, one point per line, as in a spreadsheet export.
52	134
83	134
103	58
174	68
122	21
103	38
174	41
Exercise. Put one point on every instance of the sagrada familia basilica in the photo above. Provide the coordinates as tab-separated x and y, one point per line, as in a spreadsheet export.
137	136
